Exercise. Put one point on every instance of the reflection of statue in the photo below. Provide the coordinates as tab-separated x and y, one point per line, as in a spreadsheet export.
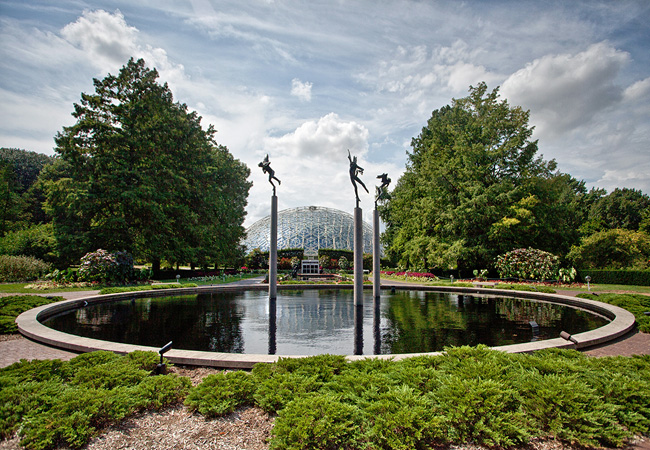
382	194
266	168
354	170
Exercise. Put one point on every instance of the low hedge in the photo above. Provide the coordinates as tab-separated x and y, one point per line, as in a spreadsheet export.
637	304
14	305
466	395
612	276
54	403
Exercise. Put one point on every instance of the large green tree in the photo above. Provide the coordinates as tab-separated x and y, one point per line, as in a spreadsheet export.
137	172
474	187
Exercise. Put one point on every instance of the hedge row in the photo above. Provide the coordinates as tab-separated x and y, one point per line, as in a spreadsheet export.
611	276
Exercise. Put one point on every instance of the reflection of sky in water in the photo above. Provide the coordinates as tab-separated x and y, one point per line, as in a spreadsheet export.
319	321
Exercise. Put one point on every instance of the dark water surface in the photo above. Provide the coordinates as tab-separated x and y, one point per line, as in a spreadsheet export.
323	321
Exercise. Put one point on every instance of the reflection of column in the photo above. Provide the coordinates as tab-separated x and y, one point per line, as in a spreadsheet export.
376	327
376	256
358	330
273	252
272	325
358	256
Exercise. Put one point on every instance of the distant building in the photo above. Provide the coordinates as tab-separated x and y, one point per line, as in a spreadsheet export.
310	228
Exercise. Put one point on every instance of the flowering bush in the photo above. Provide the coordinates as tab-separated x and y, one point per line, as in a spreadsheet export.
106	267
343	263
416	275
529	264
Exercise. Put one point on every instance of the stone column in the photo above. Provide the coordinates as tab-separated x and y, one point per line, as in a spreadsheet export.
273	250
376	256
358	256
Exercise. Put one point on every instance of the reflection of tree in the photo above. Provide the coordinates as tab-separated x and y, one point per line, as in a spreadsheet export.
417	325
207	321
545	314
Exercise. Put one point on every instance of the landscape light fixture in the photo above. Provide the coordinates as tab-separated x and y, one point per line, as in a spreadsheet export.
568	337
178	278
160	368
588	279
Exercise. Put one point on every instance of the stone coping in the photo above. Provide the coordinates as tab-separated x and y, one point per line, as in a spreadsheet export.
622	321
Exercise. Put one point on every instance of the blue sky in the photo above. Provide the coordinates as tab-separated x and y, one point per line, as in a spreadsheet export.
305	81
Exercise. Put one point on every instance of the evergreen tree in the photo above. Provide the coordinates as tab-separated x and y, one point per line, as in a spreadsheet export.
137	172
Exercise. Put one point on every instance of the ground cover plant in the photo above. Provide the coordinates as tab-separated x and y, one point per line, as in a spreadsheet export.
637	304
468	394
14	305
52	402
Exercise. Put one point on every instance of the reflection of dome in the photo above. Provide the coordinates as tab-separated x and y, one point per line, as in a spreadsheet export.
308	227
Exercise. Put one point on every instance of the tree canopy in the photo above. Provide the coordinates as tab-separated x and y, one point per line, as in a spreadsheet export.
137	172
474	187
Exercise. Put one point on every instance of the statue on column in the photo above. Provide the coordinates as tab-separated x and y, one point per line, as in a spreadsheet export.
266	168
382	193
355	169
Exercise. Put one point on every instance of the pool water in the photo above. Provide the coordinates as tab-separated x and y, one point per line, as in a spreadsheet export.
324	321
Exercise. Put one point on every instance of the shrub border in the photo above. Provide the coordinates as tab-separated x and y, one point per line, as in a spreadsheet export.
622	321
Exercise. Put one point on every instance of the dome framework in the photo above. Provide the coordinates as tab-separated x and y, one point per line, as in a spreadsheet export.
310	228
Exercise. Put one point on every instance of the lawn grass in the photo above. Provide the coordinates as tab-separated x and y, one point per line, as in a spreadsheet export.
19	288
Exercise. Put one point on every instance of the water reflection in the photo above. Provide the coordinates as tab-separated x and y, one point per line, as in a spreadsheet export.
316	322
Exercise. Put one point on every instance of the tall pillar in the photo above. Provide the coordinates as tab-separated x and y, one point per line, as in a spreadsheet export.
273	251
358	256
376	256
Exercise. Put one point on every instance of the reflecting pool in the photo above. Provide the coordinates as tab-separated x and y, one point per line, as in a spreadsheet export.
324	321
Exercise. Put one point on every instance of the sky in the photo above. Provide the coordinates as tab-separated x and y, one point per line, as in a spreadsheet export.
306	81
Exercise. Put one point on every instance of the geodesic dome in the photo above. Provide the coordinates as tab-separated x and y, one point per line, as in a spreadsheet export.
308	227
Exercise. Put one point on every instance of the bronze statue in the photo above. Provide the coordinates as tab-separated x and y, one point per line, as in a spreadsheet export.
266	168
355	169
382	194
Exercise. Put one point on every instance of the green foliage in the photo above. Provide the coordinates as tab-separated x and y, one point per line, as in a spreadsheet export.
14	305
20	197
528	264
335	254
637	304
613	249
467	394
344	264
138	172
36	241
21	268
54	403
318	422
613	276
622	208
474	188
221	393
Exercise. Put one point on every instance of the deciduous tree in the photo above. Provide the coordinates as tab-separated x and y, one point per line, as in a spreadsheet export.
474	187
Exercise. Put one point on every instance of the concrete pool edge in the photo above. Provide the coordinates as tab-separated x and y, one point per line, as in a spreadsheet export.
622	322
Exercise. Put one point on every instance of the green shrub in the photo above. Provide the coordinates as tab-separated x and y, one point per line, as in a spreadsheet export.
221	393
54	403
637	304
106	267
403	419
14	305
528	264
319	422
570	409
21	268
465	395
617	276
613	249
36	241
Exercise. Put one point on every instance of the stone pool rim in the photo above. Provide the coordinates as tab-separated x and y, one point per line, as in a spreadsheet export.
29	324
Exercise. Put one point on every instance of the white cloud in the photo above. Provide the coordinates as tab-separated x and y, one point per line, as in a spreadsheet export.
566	91
639	91
301	90
106	38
